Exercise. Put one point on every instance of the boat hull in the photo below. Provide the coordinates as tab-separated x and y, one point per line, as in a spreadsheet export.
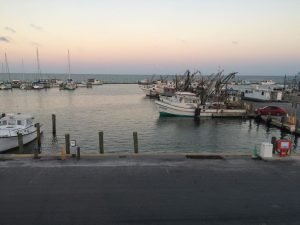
7	143
166	109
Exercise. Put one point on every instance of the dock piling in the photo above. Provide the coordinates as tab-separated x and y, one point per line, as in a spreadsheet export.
54	124
20	142
35	153
67	143
78	153
38	133
101	145
135	142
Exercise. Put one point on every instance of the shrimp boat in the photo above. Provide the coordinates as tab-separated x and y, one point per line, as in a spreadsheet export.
187	104
13	124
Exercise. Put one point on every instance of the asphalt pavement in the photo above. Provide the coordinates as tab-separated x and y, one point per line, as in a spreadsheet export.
149	190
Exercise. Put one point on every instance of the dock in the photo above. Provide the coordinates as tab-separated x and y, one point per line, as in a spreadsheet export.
285	123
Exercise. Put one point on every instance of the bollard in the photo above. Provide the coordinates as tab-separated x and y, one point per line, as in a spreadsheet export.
38	134
54	124
20	142
135	142
78	153
101	146
67	143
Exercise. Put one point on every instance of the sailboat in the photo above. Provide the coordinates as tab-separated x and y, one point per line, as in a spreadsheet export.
6	85
37	85
69	84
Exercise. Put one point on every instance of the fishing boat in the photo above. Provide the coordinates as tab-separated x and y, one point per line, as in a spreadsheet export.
186	104
69	84
13	124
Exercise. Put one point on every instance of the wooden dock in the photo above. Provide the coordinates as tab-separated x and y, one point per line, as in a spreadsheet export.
285	123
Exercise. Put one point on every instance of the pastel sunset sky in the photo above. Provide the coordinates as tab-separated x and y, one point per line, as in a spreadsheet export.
258	37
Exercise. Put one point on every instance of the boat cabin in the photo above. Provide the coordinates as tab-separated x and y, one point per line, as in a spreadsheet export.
16	120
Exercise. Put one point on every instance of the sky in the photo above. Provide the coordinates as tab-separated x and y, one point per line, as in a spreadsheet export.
258	37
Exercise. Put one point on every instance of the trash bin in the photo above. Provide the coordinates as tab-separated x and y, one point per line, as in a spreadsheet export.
266	150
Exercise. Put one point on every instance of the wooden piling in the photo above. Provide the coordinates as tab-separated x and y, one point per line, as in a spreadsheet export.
38	133
20	142
135	142
54	124
78	153
35	153
101	145
67	143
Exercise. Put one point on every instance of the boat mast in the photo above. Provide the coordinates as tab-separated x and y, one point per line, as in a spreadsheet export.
6	67
38	63
23	69
69	65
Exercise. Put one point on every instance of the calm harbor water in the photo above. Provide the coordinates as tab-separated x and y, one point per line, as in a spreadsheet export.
120	109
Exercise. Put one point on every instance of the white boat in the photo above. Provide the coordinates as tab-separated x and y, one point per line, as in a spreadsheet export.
95	81
267	82
69	84
152	90
262	95
11	125
157	89
5	86
187	104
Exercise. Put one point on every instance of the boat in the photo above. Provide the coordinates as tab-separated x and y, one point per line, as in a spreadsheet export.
267	82
13	124
93	81
262	95
6	85
156	89
26	86
16	83
187	104
38	85
69	84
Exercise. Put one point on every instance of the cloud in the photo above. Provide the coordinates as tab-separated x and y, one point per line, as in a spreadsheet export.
235	42
4	39
10	29
36	27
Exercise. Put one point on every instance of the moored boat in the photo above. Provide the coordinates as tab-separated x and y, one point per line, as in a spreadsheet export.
13	124
93	81
187	104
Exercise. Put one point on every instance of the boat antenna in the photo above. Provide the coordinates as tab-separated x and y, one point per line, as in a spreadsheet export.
23	69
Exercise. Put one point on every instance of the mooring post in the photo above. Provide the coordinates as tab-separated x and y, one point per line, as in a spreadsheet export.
38	134
135	142
54	124
78	153
101	145
67	143
20	142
